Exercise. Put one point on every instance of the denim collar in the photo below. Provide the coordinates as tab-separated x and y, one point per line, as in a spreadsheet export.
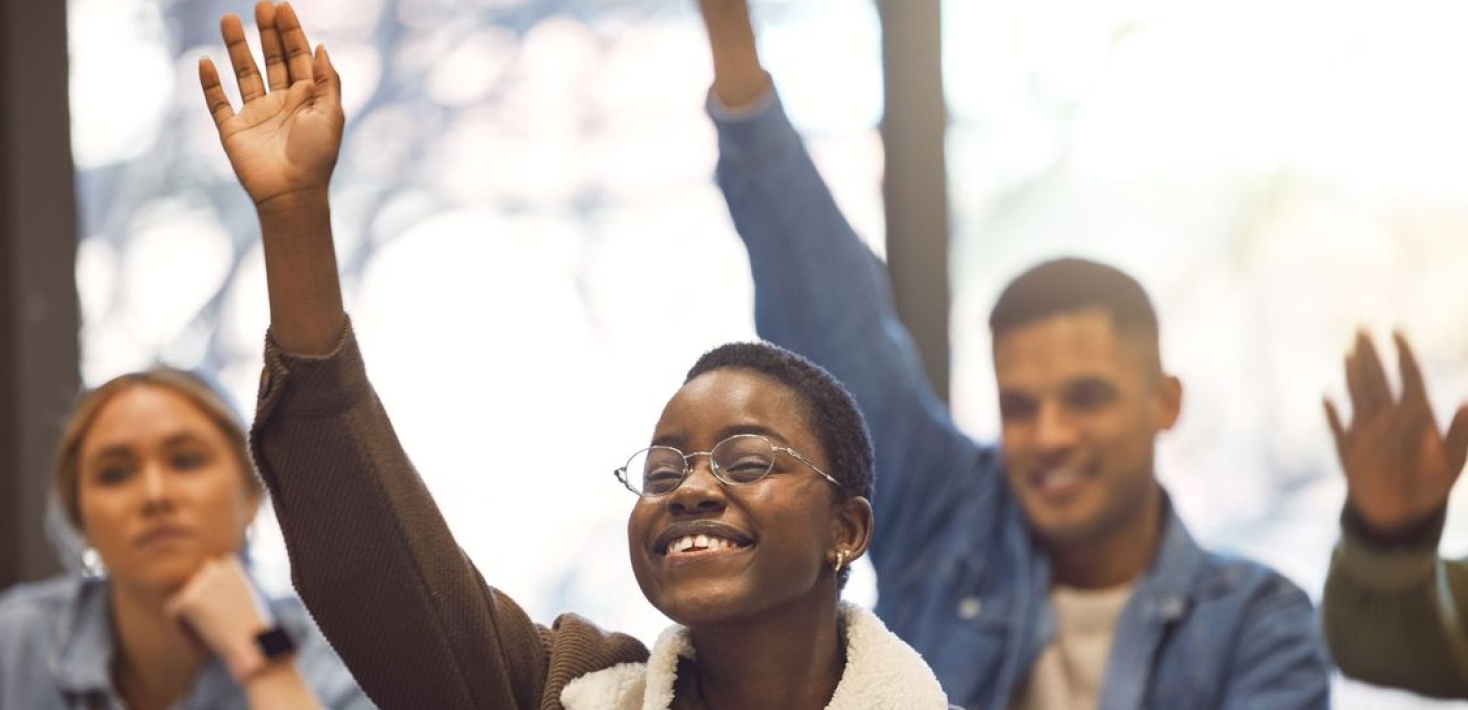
1169	585
1162	598
84	646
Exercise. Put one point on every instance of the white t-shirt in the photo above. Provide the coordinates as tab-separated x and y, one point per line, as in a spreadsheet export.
1068	674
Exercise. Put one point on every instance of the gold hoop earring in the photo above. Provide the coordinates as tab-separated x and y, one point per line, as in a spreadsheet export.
840	561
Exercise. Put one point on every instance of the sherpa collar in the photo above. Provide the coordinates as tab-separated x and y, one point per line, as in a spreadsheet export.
882	673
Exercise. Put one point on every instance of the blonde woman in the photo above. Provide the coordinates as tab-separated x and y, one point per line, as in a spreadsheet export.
154	475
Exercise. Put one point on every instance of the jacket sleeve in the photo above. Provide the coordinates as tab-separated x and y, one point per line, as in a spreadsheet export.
376	565
820	292
1393	613
1280	662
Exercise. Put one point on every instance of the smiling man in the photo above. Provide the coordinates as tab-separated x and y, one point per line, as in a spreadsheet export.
1082	397
1050	572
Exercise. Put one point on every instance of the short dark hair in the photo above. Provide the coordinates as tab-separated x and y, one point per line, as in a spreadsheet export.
825	403
1071	284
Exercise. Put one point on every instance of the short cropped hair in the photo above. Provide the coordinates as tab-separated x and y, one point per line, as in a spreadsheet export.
825	404
1067	285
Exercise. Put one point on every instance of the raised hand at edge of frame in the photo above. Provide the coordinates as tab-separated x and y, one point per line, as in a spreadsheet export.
1399	467
284	140
739	79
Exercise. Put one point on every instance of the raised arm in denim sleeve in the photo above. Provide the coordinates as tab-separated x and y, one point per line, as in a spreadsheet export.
1393	614
1280	662
820	292
375	563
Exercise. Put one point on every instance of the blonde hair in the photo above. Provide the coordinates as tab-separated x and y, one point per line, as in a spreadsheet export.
198	391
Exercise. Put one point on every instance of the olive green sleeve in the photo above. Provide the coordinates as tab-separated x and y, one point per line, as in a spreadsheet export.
1393	610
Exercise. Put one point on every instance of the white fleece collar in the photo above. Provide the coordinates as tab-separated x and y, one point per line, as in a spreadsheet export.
882	673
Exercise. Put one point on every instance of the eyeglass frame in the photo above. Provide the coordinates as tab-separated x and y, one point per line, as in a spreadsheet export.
623	478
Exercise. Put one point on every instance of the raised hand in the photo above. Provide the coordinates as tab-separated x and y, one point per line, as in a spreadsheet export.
739	80
284	140
1399	467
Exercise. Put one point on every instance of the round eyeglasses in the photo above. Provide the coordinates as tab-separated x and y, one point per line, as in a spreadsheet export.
737	461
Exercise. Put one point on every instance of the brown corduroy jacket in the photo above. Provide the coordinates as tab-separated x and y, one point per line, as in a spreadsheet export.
408	612
377	566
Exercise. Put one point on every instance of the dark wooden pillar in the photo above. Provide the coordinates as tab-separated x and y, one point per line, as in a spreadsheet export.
916	184
39	318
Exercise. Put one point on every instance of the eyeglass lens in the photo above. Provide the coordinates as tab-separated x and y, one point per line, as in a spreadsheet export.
736	460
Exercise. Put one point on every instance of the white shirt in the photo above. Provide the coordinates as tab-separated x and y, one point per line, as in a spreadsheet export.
1068	674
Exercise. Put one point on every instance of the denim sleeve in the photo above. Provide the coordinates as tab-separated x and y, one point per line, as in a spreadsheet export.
1280	663
820	292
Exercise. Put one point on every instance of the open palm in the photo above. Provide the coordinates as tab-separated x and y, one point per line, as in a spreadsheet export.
1399	466
285	138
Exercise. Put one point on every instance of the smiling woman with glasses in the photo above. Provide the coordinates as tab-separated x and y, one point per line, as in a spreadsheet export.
736	540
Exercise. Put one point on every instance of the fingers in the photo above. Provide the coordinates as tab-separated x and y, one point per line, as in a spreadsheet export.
214	96
247	75
328	82
1337	430
192	635
177	605
1456	441
1375	393
276	73
173	608
1412	387
1354	385
298	60
283	43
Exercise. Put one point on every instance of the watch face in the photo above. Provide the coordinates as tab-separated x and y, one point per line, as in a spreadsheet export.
274	643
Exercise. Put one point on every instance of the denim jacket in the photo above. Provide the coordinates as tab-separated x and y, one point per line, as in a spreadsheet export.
56	652
959	576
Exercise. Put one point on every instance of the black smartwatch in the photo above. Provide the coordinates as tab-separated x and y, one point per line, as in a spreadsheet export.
274	643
